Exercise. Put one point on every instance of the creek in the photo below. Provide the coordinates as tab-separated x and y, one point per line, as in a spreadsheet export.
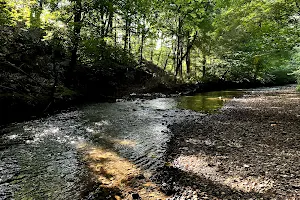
41	159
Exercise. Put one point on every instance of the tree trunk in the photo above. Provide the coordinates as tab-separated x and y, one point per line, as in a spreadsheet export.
55	83
102	23
108	29
129	41
142	46
188	56
159	55
180	60
167	59
188	62
115	36
204	66
75	40
126	33
151	54
174	57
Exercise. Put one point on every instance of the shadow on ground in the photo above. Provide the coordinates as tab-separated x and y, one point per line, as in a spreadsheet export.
249	150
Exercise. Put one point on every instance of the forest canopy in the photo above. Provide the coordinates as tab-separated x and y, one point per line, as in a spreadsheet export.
234	40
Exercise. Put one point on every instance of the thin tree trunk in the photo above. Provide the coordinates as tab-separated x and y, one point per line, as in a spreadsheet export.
142	46
180	61
178	69
126	33
167	59
76	37
109	24
115	36
151	54
188	57
129	41
204	66
177	55
188	62
53	88
102	26
159	55
174	57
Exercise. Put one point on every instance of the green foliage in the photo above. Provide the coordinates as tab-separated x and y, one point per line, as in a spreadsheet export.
294	63
5	13
96	52
51	48
238	41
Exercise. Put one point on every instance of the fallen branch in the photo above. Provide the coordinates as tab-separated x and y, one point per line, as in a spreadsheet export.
23	72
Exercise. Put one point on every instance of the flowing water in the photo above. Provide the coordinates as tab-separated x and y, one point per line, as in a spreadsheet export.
40	159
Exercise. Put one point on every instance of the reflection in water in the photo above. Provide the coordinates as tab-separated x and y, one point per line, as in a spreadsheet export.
133	129
208	102
40	159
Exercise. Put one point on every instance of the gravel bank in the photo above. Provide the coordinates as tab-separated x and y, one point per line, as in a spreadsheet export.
249	150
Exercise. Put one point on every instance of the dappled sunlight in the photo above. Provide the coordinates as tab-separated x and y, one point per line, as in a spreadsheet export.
89	130
198	164
97	126
250	149
218	99
247	100
11	137
102	123
113	171
127	143
294	98
161	103
40	134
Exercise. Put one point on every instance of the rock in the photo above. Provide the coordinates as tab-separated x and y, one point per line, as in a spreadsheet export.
141	176
135	196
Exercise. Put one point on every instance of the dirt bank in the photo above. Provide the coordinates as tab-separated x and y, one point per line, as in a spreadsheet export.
249	150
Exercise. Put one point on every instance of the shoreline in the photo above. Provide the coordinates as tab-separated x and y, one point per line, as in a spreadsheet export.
249	149
38	111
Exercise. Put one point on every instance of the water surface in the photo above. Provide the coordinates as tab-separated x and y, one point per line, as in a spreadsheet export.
208	102
41	159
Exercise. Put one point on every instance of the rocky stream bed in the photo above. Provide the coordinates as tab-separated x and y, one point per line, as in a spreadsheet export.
159	149
248	150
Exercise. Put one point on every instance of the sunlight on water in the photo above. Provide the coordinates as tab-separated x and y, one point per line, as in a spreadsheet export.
42	158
